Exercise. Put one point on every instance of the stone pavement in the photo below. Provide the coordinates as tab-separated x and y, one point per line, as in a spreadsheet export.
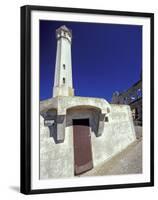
129	161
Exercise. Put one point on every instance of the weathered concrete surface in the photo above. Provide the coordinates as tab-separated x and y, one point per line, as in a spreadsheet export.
62	103
60	106
57	159
129	161
118	134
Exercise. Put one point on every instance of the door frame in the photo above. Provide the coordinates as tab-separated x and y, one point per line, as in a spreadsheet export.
82	122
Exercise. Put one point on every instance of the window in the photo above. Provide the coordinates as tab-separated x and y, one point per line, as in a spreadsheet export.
134	113
125	100
63	66
133	98
63	80
108	110
106	119
139	93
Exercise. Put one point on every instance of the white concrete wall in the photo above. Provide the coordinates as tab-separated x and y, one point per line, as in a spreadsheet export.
57	160
118	134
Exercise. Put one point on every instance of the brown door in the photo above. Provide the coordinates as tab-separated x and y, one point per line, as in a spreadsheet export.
82	146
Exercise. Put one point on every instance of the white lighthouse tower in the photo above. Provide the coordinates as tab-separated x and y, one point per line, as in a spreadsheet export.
63	85
76	122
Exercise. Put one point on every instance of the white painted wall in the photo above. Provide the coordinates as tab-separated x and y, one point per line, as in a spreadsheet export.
118	134
57	160
10	87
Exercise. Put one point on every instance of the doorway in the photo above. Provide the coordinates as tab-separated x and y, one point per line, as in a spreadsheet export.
82	146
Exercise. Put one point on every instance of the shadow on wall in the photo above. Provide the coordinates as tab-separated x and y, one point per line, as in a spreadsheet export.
50	122
91	113
51	119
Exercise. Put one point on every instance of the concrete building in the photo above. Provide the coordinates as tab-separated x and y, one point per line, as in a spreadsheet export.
78	133
133	97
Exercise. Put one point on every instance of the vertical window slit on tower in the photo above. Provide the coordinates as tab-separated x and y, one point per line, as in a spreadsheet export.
63	66
106	119
63	80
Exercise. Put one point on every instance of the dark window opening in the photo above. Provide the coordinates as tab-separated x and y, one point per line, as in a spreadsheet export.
63	66
106	119
63	80
125	100
83	122
135	113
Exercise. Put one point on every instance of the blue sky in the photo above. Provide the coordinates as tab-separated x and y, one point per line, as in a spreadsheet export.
105	57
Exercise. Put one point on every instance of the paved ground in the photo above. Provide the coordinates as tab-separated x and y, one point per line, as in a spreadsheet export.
128	161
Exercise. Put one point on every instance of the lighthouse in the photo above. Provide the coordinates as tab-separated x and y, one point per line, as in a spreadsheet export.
78	133
63	85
